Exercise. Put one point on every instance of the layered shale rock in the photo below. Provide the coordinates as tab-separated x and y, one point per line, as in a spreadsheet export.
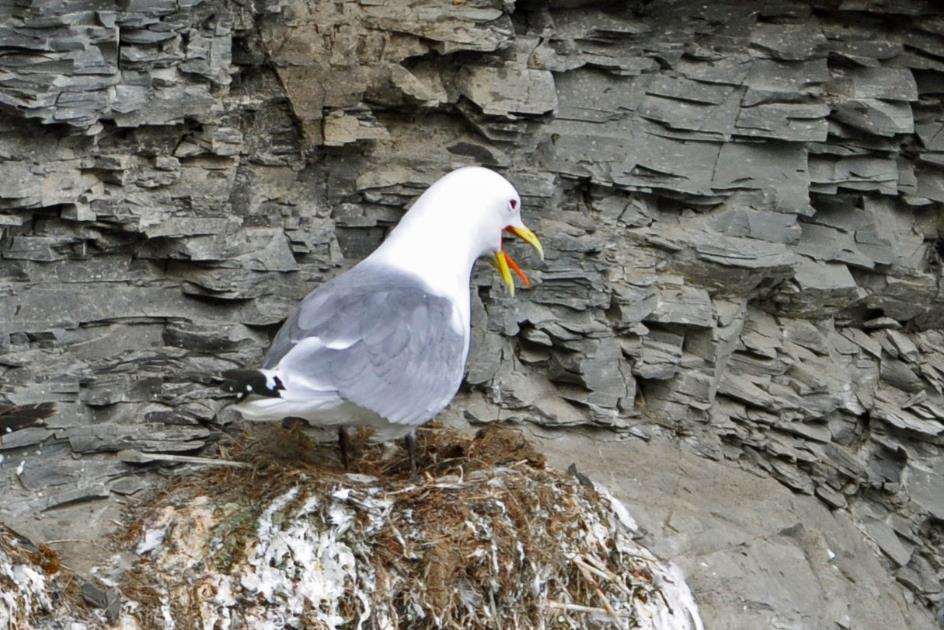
741	209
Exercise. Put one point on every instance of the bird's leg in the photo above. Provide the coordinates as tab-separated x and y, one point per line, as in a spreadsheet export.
344	445
411	451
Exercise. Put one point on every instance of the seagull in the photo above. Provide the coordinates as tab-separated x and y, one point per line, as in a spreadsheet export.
384	344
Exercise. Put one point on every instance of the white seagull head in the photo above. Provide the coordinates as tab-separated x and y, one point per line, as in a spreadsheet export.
467	212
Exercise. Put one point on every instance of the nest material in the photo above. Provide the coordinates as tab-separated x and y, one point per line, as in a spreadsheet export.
35	591
485	537
22	583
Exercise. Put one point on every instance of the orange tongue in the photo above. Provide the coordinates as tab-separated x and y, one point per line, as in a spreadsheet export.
514	267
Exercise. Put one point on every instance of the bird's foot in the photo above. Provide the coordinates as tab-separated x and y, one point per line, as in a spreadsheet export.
344	446
410	441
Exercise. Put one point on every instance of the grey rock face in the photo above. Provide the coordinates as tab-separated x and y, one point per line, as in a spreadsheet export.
742	214
756	555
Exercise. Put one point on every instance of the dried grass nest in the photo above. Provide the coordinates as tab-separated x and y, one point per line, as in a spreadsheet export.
485	536
25	572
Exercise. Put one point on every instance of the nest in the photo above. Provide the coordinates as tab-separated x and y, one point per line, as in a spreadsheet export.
484	537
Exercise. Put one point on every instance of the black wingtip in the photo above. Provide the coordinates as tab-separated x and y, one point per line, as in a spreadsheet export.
245	382
16	417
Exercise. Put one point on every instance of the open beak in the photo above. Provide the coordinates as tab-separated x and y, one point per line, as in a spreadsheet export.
528	237
505	264
500	261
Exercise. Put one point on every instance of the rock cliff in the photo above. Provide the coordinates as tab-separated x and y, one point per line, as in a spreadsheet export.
741	205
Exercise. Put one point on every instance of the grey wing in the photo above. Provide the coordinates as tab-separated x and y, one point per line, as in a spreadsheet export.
384	343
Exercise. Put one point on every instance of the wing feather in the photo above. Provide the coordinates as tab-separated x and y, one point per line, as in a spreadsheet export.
385	343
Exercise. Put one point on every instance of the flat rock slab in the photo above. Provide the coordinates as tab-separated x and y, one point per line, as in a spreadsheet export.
755	554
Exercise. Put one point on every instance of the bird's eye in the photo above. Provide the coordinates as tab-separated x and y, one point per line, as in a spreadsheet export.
513	203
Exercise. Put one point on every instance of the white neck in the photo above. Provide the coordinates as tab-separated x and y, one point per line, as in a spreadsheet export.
459	218
434	254
440	254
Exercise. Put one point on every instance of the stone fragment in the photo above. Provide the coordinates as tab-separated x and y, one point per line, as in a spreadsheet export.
825	287
773	81
341	128
682	305
906	421
885	537
659	356
832	498
778	169
874	116
892	84
900	375
509	90
920	576
789	42
784	121
107	437
791	476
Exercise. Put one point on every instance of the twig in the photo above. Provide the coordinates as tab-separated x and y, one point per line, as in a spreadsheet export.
577	607
603	599
131	456
491	597
593	565
665	600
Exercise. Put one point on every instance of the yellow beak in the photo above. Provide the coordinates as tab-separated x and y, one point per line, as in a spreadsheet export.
528	237
505	264
500	261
